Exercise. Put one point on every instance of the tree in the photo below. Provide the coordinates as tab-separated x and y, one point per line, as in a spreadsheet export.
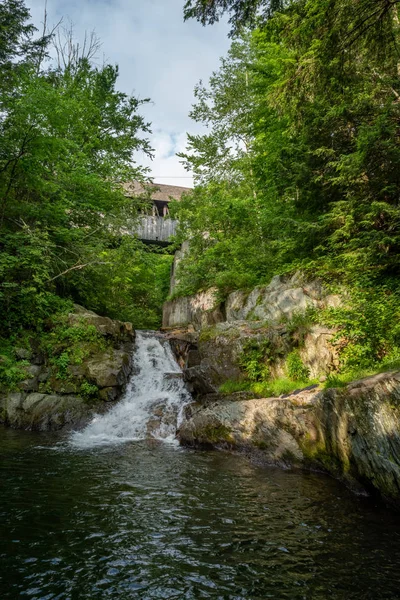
321	113
360	16
68	139
243	13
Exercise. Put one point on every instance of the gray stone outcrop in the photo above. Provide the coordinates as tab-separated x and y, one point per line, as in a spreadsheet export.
279	300
45	401
200	310
225	329
45	412
352	433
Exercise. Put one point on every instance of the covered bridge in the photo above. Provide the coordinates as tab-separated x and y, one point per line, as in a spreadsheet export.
155	226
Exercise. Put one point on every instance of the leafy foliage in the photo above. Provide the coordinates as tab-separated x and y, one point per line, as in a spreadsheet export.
243	12
130	284
67	142
303	170
296	369
368	327
254	360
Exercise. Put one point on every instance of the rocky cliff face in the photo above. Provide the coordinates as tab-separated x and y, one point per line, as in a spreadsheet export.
220	333
273	303
48	399
352	433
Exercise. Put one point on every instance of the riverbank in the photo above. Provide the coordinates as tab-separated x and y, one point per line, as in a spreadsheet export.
76	367
351	433
269	380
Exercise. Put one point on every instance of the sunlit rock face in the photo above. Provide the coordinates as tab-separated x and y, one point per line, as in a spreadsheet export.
221	332
352	433
273	303
200	310
279	300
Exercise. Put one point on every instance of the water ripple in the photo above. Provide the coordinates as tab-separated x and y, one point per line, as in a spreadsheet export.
149	522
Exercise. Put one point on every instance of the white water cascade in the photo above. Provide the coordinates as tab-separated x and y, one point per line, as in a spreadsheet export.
152	403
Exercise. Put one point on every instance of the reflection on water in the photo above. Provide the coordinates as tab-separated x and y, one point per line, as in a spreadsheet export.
148	520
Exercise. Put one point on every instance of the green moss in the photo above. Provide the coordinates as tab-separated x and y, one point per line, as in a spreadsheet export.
215	434
265	389
316	452
208	333
88	390
281	385
45	388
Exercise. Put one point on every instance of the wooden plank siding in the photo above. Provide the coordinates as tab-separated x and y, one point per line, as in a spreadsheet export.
155	229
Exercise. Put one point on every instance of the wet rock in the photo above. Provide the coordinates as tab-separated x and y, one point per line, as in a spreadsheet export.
109	394
193	358
178	375
352	433
200	380
44	412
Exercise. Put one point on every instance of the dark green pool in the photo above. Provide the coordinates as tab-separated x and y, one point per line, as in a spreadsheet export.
149	520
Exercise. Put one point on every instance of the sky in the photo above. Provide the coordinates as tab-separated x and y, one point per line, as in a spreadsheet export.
159	56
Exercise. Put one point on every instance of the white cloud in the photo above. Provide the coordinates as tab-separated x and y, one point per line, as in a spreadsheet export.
159	57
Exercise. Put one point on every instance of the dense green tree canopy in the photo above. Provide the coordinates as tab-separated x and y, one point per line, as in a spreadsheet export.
67	142
299	167
243	13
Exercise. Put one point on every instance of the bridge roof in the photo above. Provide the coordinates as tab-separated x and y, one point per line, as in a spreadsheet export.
159	191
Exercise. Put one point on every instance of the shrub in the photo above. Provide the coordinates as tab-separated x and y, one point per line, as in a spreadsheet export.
88	390
368	328
296	369
254	360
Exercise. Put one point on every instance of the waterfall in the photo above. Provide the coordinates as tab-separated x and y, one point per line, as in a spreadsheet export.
152	404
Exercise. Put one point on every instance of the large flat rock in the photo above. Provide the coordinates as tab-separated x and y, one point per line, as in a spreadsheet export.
352	433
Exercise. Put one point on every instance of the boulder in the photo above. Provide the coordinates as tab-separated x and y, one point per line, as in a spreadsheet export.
352	433
109	369
44	412
117	330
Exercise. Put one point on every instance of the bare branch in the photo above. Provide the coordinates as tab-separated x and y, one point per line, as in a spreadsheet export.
76	268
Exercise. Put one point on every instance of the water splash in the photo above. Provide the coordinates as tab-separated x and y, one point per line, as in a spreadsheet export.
152	404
